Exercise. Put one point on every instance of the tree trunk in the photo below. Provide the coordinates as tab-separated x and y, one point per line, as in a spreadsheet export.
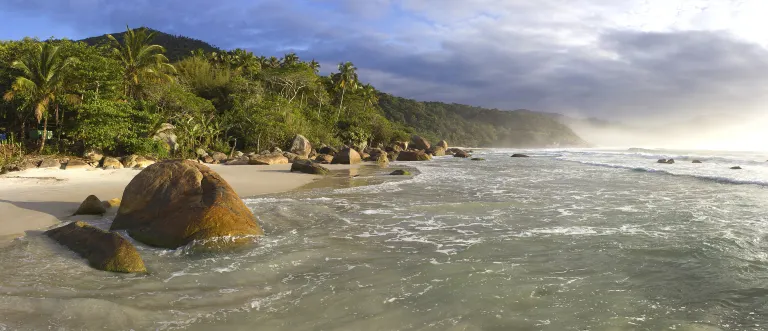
344	89
45	133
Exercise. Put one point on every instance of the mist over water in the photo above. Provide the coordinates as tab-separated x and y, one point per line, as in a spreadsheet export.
564	240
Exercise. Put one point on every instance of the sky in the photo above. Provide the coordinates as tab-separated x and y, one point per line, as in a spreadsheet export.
619	60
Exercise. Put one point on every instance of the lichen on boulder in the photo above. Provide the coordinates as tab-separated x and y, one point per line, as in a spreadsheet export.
173	203
104	250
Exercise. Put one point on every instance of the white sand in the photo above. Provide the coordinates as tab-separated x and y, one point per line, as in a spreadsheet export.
36	199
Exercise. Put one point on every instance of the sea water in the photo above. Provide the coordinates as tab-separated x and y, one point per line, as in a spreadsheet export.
563	240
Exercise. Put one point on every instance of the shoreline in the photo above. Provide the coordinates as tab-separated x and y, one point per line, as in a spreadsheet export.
37	199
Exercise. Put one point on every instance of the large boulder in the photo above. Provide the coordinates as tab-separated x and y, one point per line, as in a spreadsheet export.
418	142
219	157
413	156
242	160
91	206
93	155
172	203
165	134
136	161
201	153
301	146
268	159
347	156
77	164
437	151
294	157
324	158
104	250
208	159
443	144
400	146
308	167
111	163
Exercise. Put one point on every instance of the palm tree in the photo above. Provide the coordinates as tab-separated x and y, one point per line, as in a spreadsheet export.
315	66
243	60
273	62
142	61
42	79
369	95
346	78
290	59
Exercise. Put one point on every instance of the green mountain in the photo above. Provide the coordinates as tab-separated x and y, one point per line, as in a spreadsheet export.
463	125
176	47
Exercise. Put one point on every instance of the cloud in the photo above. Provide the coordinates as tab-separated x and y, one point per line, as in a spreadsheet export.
611	59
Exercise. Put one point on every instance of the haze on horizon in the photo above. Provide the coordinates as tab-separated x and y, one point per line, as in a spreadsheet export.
680	73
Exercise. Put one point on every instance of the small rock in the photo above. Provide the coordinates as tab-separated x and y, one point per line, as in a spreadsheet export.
519	155
736	168
77	164
219	157
91	206
400	172
478	159
93	155
671	161
111	163
242	160
461	153
207	159
696	161
106	251
239	154
328	150
324	158
201	153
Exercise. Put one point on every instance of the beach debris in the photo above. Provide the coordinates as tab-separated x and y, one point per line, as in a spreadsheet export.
308	167
111	163
173	203
301	146
268	159
418	142
347	156
519	155
400	172
413	156
91	206
104	250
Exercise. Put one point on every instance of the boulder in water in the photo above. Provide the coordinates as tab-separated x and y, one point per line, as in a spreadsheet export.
696	161
91	206
400	172
519	155
736	168
461	153
347	156
478	159
104	250
418	142
413	156
173	203
308	167
443	144
671	161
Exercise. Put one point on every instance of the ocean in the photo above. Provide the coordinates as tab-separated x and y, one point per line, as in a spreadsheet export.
564	240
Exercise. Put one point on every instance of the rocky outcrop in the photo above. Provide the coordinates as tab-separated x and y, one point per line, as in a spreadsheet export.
519	155
301	146
400	172
347	156
77	164
308	167
91	206
165	134
413	156
50	163
111	163
461	153
418	142
268	159
324	158
104	250
172	203
219	157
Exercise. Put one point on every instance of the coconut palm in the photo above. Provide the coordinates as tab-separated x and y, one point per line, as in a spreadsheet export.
290	59
369	95
273	62
315	66
345	79
42	79
142	60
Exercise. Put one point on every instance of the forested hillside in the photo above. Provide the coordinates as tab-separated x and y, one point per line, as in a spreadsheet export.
113	93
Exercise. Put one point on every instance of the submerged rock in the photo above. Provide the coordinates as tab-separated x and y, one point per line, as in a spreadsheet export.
478	159
172	203
413	156
736	168
671	161
91	206
104	250
696	161
519	155
461	153
400	172
662	161
347	156
307	167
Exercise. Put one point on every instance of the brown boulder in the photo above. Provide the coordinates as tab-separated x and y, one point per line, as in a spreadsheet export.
243	160
268	159
91	206
219	157
135	161
207	159
301	146
461	153
443	144
418	142
308	167
50	163
324	158
111	163
413	156
77	164
328	150
347	156
104	250
437	151
172	203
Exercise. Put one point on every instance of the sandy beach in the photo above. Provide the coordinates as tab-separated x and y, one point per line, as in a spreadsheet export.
36	199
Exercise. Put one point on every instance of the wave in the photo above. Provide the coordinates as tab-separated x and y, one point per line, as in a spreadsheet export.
713	178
